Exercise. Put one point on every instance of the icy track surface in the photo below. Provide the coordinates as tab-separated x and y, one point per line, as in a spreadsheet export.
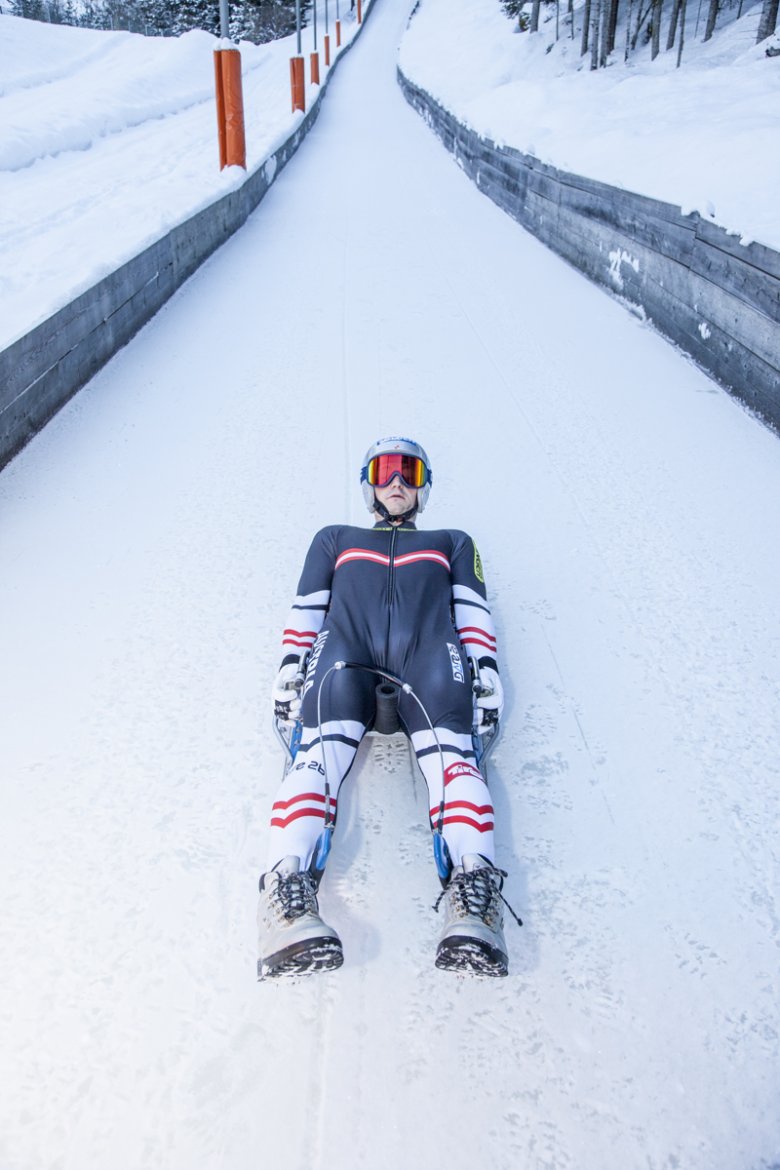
150	542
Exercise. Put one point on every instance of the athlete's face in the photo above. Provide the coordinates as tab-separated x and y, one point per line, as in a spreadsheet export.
396	496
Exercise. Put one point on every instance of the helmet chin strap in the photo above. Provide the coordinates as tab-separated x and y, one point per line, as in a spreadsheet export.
402	519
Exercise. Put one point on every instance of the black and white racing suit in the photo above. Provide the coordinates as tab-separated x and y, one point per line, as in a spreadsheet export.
414	604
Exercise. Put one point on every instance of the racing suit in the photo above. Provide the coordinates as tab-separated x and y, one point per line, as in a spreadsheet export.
414	604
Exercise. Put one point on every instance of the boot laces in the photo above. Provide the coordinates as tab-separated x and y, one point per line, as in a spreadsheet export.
293	896
477	894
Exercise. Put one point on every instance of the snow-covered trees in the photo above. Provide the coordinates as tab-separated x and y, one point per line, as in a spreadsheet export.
644	21
251	20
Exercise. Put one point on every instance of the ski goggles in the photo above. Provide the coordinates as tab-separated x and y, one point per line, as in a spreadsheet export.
382	468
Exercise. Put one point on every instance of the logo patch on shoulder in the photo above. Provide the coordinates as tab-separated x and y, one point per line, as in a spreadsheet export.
478	566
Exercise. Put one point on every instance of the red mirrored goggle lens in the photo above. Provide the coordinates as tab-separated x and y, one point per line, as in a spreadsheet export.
382	469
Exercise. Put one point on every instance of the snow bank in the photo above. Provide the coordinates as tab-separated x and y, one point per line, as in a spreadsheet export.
108	140
703	137
124	81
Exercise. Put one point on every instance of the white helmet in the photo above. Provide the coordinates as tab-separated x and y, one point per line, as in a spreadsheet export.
395	445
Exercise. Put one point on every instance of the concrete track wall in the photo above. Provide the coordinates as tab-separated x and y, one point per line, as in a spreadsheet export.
717	299
45	368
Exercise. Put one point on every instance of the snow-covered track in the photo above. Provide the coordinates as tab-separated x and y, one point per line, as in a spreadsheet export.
712	295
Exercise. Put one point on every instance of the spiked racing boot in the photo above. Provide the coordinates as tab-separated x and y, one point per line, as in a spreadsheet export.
293	938
472	940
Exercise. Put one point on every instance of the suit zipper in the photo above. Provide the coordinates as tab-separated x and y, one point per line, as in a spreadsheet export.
390	590
391	569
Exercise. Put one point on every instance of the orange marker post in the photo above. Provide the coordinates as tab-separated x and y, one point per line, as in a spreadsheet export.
338	34
235	135
315	69
327	51
360	11
297	84
230	108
